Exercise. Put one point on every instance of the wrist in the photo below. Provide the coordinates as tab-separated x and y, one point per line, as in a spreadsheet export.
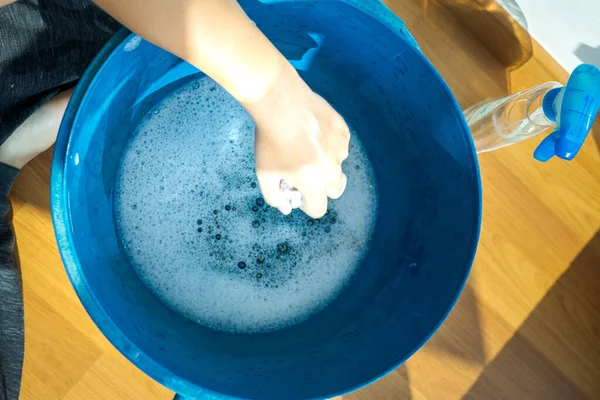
285	90
237	55
255	85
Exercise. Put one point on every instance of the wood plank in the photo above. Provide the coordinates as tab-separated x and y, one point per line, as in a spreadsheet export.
527	325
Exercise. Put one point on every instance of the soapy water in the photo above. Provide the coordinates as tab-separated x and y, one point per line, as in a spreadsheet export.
194	226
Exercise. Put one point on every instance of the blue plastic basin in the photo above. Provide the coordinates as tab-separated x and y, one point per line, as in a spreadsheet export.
425	237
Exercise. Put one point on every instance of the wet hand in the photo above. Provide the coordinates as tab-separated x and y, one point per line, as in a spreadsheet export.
301	142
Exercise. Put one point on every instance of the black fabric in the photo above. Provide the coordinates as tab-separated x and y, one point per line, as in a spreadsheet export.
11	297
45	46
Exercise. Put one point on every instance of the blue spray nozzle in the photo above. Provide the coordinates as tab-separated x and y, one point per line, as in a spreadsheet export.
574	107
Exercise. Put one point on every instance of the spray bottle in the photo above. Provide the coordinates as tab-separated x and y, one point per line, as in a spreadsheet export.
570	110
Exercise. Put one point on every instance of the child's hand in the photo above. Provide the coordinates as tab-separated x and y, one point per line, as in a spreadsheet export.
301	139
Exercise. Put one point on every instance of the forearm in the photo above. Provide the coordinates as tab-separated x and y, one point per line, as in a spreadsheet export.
6	2
216	36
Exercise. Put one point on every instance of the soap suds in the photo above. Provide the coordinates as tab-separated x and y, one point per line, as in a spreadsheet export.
192	221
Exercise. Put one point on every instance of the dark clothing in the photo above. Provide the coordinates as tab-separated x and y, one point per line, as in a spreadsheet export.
45	45
11	297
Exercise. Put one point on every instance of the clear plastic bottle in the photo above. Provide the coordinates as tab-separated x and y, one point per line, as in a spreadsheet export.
501	122
569	110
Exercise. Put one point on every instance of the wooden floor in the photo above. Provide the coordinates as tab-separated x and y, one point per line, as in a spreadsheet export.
526	327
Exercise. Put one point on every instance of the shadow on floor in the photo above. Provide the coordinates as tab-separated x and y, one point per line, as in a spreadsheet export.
555	354
452	32
503	33
394	386
460	335
588	54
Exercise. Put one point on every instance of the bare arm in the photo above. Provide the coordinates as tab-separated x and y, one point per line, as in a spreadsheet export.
216	36
6	2
300	139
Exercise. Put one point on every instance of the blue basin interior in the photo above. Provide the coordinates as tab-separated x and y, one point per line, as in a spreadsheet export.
422	248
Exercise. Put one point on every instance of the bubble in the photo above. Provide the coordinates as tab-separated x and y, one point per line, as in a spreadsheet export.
228	207
260	202
132	44
255	224
204	161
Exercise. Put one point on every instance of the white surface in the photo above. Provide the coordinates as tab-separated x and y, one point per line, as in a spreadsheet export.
568	29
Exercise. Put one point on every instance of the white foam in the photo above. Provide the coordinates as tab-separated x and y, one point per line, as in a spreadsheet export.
193	154
133	43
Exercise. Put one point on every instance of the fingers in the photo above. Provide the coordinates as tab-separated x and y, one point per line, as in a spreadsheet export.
292	195
345	152
342	139
317	188
336	186
314	201
274	196
309	190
